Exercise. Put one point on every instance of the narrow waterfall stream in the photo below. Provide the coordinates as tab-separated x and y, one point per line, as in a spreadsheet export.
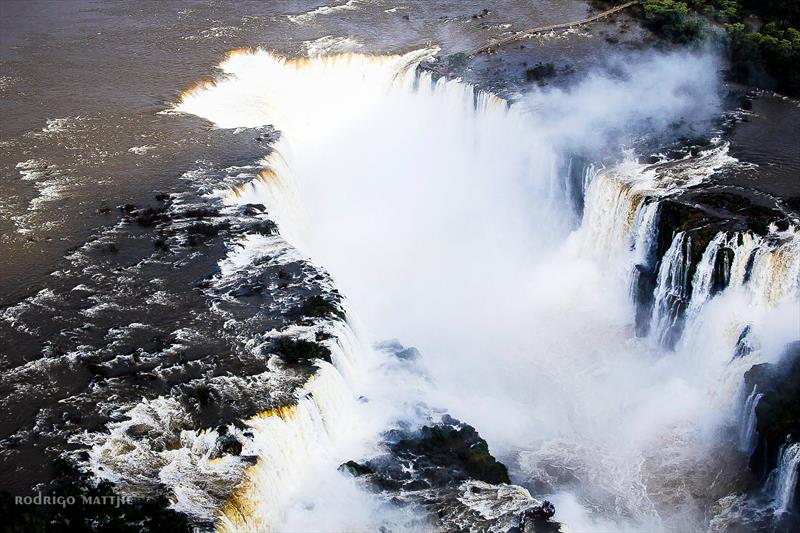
747	427
783	480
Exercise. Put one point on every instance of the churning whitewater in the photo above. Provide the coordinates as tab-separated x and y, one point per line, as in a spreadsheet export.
446	217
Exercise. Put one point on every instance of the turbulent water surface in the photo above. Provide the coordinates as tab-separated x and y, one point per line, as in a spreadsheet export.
345	242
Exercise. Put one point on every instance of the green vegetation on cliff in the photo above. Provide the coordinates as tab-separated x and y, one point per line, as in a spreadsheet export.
763	36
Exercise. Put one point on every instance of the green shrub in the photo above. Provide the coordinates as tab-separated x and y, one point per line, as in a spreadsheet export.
767	56
672	19
770	57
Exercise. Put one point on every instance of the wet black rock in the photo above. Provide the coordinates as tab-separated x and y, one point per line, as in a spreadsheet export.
198	232
297	351
149	217
203	394
252	210
227	444
547	510
645	284
264	227
355	469
317	306
138	431
88	507
722	272
202	228
743	343
442	455
540	72
446	467
741	212
778	411
456	446
200	212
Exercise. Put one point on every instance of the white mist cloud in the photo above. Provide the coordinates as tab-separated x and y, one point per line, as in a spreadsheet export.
630	95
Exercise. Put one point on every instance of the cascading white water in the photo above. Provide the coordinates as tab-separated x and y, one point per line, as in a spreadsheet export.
703	279
432	206
763	278
782	480
292	444
300	447
670	288
747	426
285	440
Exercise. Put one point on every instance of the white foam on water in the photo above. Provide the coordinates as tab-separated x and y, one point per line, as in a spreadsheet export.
331	45
309	16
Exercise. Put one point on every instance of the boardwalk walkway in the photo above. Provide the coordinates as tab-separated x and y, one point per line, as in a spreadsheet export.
564	25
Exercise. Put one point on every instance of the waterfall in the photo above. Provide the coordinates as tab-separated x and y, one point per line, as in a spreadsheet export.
300	447
747	424
435	207
578	175
670	293
775	269
287	439
612	207
763	271
703	281
782	481
645	234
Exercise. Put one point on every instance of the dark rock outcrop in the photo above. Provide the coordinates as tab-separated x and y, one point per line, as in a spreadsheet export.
446	467
700	216
300	351
778	412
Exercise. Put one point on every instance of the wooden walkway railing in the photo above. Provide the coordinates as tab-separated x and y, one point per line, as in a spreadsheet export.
564	25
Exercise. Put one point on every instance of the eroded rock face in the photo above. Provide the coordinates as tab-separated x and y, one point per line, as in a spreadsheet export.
778	411
446	468
700	216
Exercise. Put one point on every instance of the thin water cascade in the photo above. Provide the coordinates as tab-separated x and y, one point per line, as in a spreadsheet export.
670	293
747	425
286	441
703	281
782	481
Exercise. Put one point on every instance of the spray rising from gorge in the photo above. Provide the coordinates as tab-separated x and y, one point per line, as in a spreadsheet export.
443	214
